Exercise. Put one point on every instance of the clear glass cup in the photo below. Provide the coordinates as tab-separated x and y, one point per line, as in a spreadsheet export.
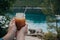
20	20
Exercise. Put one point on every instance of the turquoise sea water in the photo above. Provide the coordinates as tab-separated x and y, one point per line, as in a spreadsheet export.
35	19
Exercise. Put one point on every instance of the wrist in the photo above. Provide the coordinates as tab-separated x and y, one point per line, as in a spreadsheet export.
11	32
9	35
20	36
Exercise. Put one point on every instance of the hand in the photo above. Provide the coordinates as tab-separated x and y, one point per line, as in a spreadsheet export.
22	32
12	26
11	31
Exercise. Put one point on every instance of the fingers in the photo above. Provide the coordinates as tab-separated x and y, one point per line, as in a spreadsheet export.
12	21
12	24
24	29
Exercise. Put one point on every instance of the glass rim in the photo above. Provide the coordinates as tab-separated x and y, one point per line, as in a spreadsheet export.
20	14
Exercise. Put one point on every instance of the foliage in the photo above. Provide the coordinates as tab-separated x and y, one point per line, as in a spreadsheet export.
51	7
4	21
50	36
30	3
5	6
52	25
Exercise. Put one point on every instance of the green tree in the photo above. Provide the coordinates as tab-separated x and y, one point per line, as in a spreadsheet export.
51	8
5	7
50	36
4	21
52	25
